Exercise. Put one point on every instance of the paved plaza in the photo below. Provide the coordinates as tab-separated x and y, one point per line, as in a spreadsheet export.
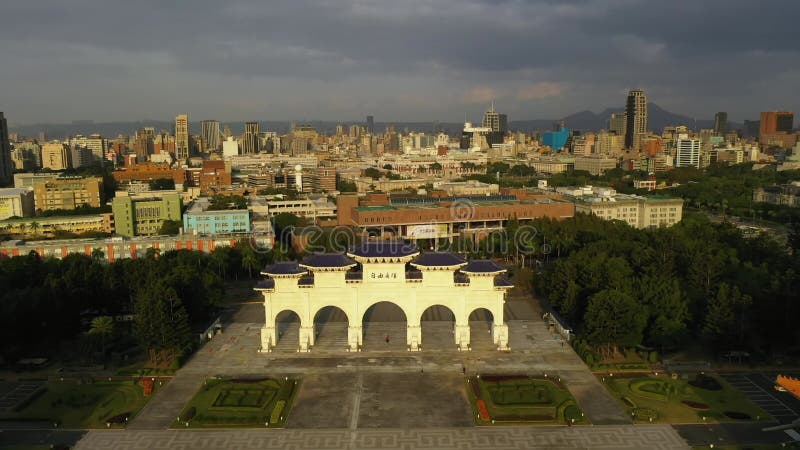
384	396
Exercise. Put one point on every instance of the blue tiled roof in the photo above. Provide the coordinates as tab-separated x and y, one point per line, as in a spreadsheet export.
438	259
482	266
501	281
385	249
284	268
306	281
353	275
460	278
266	283
328	260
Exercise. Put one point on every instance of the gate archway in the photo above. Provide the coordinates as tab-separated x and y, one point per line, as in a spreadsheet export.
385	327
330	328
287	329
437	323
481	322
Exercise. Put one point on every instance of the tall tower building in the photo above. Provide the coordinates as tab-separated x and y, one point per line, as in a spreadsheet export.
617	123
182	137
6	166
721	123
636	122
371	124
497	123
250	140
209	134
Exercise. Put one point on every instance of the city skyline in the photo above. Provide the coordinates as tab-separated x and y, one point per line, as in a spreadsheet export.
400	62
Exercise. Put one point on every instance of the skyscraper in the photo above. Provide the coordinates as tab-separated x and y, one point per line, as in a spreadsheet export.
209	133
636	123
721	122
250	140
6	166
371	124
182	137
617	122
687	152
498	123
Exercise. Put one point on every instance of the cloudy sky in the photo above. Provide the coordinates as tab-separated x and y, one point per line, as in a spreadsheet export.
108	60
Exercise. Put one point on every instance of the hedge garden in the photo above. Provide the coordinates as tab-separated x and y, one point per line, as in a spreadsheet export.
100	404
240	403
520	399
690	399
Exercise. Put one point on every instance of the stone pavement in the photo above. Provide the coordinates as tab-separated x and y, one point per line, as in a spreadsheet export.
497	438
375	404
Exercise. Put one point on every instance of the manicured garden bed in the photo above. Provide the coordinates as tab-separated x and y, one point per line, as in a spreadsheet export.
515	399
662	398
240	403
100	404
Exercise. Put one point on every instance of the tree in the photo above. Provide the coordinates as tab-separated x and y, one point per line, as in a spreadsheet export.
249	259
387	167
98	254
102	326
725	317
170	227
34	226
373	173
614	318
346	186
435	167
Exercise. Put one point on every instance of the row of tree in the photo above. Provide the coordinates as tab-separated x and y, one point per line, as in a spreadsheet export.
622	287
46	302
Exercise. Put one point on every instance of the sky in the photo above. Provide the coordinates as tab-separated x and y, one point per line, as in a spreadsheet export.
401	60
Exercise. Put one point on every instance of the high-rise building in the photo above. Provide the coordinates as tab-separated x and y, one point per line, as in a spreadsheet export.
6	166
636	118
56	156
773	122
182	137
617	122
498	123
250	140
209	135
687	152
143	144
371	124
721	123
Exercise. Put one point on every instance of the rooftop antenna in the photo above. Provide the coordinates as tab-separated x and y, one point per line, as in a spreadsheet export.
492	105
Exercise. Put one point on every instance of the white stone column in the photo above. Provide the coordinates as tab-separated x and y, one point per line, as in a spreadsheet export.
306	339
268	338
414	336
355	335
462	336
500	335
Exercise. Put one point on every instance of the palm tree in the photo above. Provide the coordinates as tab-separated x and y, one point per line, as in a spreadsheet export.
98	254
35	227
22	227
102	326
152	253
249	260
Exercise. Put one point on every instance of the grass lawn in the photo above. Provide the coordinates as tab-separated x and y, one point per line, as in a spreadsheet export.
669	400
74	405
519	399
224	403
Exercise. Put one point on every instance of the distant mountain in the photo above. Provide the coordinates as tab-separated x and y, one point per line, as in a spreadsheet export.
658	118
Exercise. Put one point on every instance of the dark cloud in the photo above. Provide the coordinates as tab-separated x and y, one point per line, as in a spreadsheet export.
399	60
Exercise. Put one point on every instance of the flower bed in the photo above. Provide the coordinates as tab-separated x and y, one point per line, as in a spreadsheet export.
483	411
695	405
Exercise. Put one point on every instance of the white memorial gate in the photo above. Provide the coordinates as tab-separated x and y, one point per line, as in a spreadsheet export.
384	271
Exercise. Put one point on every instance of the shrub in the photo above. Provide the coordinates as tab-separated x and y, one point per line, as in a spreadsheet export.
653	357
119	418
276	412
189	415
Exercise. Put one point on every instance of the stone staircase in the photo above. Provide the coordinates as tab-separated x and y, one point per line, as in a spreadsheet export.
330	337
375	336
